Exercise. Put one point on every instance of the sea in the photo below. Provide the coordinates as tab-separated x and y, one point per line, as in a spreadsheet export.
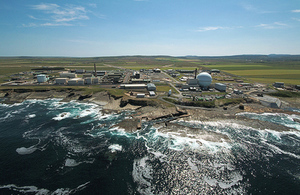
54	147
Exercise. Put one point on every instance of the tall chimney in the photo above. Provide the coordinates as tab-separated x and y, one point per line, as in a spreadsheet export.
95	70
195	73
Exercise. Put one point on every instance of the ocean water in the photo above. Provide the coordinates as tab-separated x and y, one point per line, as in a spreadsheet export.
49	147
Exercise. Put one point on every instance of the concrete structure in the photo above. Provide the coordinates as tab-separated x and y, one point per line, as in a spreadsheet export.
76	81
41	78
151	93
140	80
204	79
101	73
151	87
220	87
157	70
215	71
80	71
192	82
67	75
61	81
270	101
95	80
237	91
140	95
278	84
88	80
133	86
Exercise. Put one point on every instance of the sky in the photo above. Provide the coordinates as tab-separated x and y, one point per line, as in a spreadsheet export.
90	28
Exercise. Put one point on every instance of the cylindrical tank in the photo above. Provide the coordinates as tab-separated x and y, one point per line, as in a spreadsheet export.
204	79
41	78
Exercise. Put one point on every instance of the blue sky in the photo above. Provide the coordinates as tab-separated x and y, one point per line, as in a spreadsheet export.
87	28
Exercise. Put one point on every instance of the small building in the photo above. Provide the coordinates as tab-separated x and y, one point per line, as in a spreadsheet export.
151	87
41	78
67	75
76	81
95	80
133	86
192	81
61	81
237	91
220	87
157	70
80	71
140	95
151	93
279	84
101	73
215	71
136	75
88	80
270	101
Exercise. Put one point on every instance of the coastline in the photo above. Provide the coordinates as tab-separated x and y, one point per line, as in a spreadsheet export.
154	112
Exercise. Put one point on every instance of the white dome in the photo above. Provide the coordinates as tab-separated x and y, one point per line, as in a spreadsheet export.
204	79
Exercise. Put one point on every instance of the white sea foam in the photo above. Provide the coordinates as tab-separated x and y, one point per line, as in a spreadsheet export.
62	116
71	163
142	174
42	191
25	189
115	147
31	115
24	151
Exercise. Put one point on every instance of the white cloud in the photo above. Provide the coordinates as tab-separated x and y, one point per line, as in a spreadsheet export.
273	25
59	16
210	28
296	11
297	19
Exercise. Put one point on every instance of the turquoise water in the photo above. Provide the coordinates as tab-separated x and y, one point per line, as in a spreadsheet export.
49	147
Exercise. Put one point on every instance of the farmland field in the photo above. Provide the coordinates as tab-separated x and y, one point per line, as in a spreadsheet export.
259	69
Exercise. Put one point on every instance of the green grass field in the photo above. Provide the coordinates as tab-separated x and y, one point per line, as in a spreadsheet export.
259	69
265	73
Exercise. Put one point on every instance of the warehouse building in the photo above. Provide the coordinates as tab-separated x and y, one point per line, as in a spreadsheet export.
220	87
61	81
151	87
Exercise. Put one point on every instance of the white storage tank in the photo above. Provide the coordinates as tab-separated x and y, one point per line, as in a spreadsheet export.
204	79
41	78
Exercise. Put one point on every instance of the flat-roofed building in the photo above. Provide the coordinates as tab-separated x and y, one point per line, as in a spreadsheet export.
220	87
75	81
140	95
151	93
67	75
279	84
151	87
61	81
133	86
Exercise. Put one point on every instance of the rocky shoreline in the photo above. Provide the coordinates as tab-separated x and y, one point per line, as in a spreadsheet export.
146	111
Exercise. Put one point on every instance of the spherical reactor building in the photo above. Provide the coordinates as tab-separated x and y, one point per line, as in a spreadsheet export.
204	79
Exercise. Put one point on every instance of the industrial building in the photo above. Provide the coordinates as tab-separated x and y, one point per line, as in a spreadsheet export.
140	95
270	101
67	75
192	81
151	93
133	86
151	87
41	78
61	81
76	81
220	87
279	84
